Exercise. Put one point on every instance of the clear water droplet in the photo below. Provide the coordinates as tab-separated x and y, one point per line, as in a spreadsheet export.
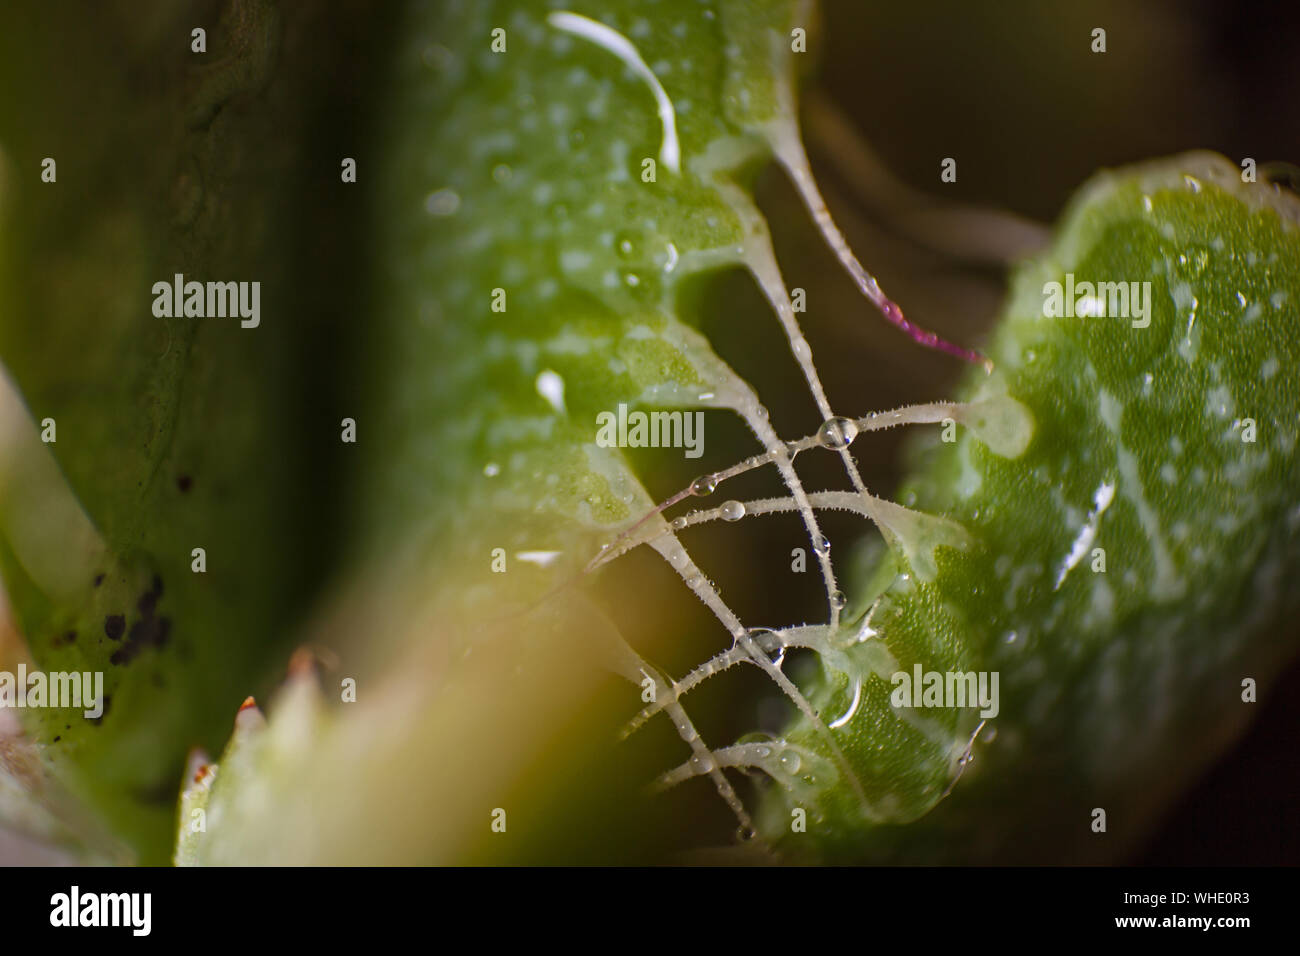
772	646
820	544
704	485
838	600
745	834
626	245
837	432
732	511
679	523
791	761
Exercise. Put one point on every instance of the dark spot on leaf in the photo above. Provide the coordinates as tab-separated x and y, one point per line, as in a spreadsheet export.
99	579
121	656
149	631
114	626
183	483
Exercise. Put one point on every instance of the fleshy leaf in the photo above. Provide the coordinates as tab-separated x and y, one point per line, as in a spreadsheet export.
1101	594
166	434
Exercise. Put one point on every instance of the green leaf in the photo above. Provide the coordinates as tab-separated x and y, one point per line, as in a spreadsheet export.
1168	441
171	434
522	171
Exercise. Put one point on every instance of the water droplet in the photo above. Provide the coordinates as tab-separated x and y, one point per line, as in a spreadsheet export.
700	765
838	600
745	834
626	245
679	523
443	202
694	581
671	257
837	432
790	761
772	646
732	511
704	485
820	544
